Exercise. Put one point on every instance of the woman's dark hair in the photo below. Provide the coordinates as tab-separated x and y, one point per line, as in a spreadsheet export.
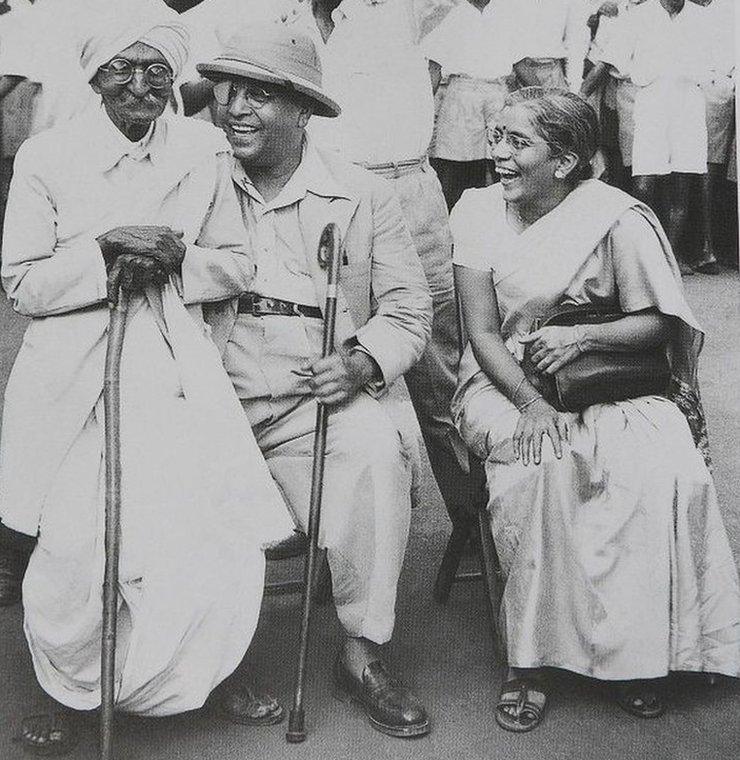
565	121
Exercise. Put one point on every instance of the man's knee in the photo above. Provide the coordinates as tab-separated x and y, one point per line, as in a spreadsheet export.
364	431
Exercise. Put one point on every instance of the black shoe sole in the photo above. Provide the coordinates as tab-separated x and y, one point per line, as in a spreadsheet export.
399	732
405	732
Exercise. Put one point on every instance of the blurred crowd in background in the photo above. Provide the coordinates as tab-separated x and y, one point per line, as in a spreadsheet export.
660	74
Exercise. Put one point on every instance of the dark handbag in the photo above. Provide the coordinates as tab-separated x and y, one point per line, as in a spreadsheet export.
598	376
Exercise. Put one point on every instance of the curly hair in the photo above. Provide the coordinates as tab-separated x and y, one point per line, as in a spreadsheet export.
565	121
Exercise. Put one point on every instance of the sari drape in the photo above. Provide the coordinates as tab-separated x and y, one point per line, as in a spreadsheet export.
617	562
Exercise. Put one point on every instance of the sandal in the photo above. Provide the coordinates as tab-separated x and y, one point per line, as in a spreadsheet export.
640	698
527	698
48	734
246	704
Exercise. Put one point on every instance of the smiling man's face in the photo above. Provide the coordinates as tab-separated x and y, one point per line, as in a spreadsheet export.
261	133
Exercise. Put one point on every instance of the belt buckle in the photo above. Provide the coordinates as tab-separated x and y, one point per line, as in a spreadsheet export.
256	307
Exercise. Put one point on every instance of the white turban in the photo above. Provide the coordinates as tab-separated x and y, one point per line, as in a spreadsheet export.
117	25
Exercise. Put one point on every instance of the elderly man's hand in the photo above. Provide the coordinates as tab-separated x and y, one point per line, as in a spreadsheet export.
133	274
160	243
340	376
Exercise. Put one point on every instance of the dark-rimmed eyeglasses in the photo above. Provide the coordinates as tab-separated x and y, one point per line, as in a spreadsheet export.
121	71
516	142
226	90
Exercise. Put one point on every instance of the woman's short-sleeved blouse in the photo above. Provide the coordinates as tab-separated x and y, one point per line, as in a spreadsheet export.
478	224
627	267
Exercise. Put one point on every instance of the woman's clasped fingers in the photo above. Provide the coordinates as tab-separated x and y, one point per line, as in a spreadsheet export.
558	359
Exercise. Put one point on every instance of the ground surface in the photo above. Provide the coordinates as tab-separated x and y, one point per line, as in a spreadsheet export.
445	652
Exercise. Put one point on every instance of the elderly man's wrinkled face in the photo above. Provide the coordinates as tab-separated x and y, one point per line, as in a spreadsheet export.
134	104
261	122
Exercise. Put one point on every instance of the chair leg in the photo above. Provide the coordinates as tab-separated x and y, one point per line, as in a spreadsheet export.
451	560
494	583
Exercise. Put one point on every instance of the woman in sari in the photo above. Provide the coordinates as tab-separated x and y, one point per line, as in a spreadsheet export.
617	563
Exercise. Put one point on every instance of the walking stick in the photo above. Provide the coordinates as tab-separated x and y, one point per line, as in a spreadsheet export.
329	258
111	401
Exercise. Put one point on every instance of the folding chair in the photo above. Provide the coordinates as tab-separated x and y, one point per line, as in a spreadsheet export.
471	526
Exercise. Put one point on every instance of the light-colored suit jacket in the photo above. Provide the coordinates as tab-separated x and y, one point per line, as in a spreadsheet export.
384	300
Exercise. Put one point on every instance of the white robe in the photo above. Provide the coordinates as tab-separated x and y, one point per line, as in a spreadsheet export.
197	498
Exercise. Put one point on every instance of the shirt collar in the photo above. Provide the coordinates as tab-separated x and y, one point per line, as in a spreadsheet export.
311	176
107	145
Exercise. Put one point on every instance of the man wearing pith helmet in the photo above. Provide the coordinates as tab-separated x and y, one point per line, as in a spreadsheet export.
267	87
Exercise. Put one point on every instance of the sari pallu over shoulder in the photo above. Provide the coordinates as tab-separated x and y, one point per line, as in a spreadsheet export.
548	265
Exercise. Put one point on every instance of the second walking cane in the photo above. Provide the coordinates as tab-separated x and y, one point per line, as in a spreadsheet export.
329	258
112	404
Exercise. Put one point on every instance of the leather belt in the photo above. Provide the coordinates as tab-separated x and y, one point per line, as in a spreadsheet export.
260	306
396	168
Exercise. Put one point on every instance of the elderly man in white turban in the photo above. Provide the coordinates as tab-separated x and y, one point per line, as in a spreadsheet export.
127	196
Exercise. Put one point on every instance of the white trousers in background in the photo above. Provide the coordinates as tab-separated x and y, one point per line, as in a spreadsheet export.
670	129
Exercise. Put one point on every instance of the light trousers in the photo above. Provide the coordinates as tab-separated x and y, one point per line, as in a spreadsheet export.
366	497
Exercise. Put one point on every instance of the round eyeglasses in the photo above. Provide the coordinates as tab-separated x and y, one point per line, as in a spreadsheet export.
121	71
225	91
516	142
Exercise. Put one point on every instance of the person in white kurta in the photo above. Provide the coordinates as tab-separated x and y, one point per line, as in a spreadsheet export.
198	500
472	47
373	64
719	94
551	42
664	55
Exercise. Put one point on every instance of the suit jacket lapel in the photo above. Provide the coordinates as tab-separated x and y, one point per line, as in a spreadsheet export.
315	212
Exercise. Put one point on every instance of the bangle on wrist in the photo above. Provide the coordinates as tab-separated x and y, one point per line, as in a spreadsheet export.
528	402
517	389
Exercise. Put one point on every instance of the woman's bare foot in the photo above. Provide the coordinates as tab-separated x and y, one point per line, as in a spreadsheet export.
522	701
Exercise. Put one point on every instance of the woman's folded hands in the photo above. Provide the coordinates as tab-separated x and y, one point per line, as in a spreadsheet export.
554	347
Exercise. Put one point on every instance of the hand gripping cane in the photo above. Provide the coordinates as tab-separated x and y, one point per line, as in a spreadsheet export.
329	258
111	401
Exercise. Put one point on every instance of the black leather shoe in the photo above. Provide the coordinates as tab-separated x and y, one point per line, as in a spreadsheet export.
390	707
246	703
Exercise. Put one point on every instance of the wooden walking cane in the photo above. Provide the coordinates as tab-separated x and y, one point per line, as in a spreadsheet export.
111	401
330	259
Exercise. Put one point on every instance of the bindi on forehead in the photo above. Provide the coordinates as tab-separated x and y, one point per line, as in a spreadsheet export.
141	54
517	121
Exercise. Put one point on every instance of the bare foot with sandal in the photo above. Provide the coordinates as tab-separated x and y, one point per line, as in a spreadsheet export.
49	734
